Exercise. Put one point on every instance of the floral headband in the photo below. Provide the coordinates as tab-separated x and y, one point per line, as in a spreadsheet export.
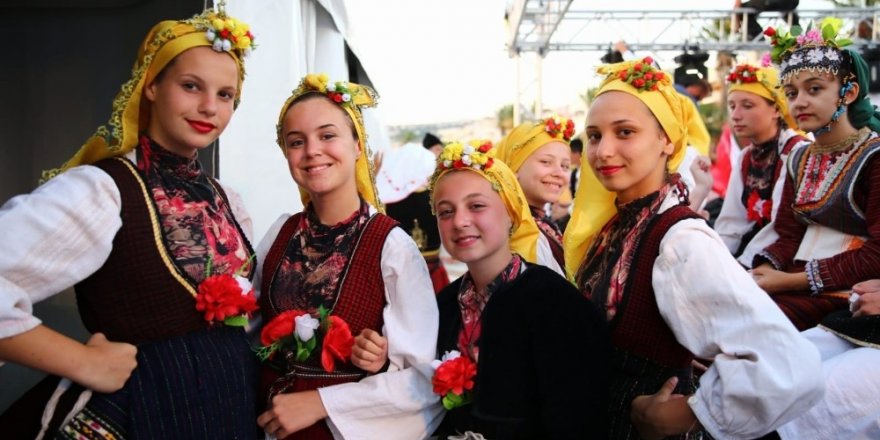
226	33
559	127
816	49
478	155
743	74
642	75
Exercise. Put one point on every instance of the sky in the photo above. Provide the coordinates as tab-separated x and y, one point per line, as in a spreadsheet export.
436	61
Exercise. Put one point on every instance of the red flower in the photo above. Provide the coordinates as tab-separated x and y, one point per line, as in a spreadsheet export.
224	34
649	76
769	32
220	297
639	83
638	67
458	164
281	326
648	60
658	76
337	343
622	75
758	210
455	375
654	87
489	163
337	97
485	147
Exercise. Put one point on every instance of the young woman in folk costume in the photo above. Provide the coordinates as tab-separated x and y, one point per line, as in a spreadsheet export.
830	225
135	223
341	254
760	115
669	287
540	156
532	349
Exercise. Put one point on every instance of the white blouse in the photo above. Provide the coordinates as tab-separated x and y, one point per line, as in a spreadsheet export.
399	403
59	235
764	372
733	221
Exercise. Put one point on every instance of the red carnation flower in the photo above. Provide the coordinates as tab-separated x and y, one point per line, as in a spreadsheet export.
622	75
489	163
220	297
648	60
638	67
639	83
458	164
281	326
337	343
654	87
649	76
455	375
769	32
658	76
485	147
224	34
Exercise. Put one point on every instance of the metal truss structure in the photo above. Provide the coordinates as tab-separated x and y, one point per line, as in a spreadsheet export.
540	26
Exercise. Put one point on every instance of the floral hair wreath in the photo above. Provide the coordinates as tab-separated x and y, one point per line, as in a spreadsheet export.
224	32
816	49
743	74
642	75
559	127
475	154
340	92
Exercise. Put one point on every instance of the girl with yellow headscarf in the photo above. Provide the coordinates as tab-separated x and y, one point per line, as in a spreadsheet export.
540	156
342	255
669	287
759	117
488	315
150	242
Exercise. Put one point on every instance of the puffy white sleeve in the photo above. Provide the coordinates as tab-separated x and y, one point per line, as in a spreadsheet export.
545	255
239	211
764	372
400	402
54	237
733	222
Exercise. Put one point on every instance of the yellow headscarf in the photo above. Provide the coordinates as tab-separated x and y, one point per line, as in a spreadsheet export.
479	157
528	137
763	82
352	98
593	204
165	41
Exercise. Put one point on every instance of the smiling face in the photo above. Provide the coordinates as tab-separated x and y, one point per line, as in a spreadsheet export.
473	222
813	97
545	173
752	117
321	147
626	148
191	101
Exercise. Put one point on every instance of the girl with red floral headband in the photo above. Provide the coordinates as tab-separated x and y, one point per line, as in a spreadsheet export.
668	286
339	269
540	155
759	115
156	250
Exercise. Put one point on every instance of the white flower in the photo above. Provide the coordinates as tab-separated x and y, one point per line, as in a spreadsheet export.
306	326
832	55
815	55
478	167
796	59
244	284
783	66
227	45
346	97
331	86
247	52
468	149
448	356
447	163
210	35
465	159
218	45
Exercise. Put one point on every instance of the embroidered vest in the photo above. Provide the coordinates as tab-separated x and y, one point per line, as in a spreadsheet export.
361	297
786	150
139	295
833	205
645	352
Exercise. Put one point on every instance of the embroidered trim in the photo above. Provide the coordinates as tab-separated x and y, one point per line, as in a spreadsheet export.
157	234
814	277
